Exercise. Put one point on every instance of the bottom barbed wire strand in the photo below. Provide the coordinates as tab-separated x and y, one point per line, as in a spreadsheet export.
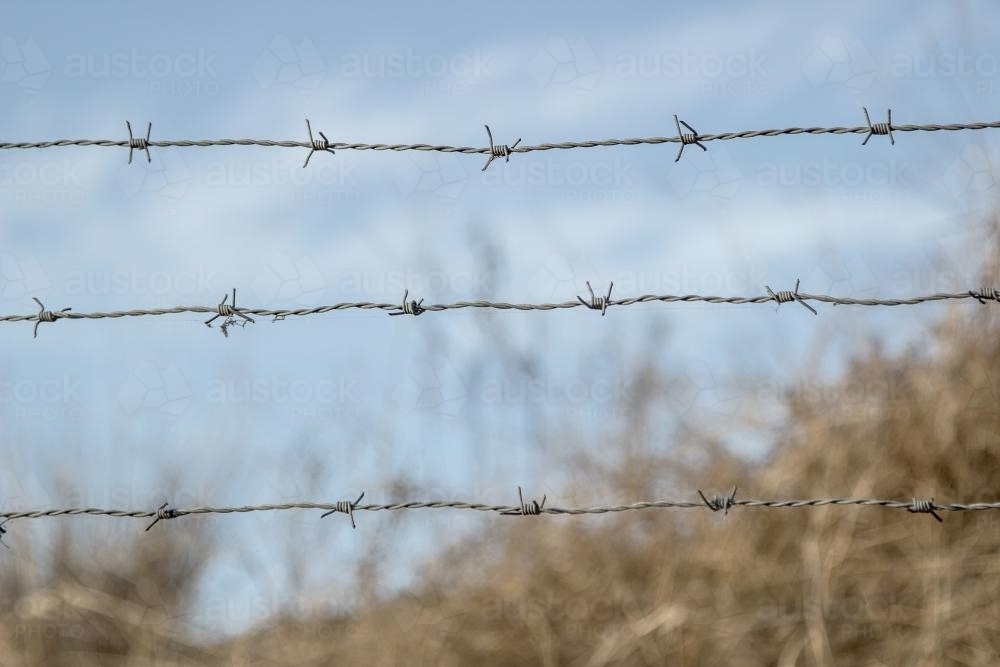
715	503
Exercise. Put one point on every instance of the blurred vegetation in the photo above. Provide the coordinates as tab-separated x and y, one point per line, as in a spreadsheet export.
757	587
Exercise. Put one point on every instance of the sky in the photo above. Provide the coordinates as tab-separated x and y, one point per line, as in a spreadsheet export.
93	412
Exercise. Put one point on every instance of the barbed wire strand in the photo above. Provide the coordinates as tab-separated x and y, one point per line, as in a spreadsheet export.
523	508
685	136
242	316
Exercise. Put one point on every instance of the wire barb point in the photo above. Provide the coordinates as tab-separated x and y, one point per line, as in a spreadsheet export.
163	513
985	294
346	507
533	508
230	312
717	503
687	138
412	307
46	315
138	143
925	507
321	144
3	531
600	303
787	297
498	150
881	129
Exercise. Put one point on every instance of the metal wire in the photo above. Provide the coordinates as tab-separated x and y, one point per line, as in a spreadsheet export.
241	316
530	508
493	150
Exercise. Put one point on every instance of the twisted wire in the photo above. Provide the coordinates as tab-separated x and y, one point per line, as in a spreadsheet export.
495	151
529	508
415	307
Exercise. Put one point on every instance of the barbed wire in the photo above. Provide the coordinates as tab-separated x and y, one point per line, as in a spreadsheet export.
714	503
685	137
240	316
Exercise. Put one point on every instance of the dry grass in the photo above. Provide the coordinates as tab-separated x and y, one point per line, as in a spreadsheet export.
780	587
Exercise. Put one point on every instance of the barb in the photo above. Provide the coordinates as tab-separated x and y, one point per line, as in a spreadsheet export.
412	307
719	502
788	297
138	143
598	302
46	315
534	508
346	507
531	508
502	150
321	144
163	513
882	129
230	312
686	138
494	151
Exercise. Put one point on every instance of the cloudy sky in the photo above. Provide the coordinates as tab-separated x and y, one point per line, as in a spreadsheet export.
94	411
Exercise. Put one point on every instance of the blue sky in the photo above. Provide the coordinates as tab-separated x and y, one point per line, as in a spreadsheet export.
113	403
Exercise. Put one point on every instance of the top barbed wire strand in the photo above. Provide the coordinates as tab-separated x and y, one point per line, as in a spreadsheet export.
503	150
